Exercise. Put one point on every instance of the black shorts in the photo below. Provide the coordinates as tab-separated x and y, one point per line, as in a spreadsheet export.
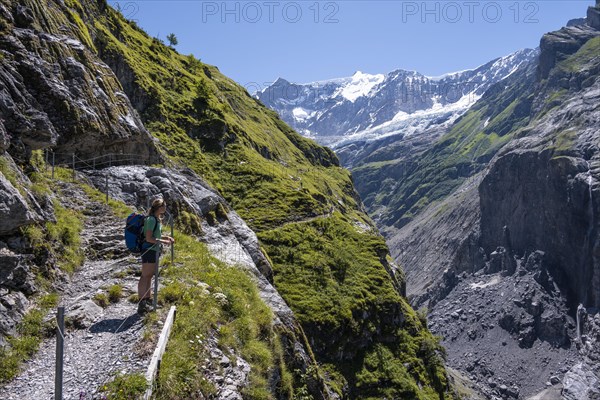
148	256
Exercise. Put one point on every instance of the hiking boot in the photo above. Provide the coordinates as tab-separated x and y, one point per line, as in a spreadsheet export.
145	306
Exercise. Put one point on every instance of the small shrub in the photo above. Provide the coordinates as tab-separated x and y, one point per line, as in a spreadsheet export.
66	231
134	298
7	171
101	299
211	218
171	293
190	223
30	331
34	234
221	212
115	292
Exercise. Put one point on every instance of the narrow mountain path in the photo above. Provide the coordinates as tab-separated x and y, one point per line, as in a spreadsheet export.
99	342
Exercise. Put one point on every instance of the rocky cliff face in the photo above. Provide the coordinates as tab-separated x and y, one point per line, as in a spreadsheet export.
551	174
55	92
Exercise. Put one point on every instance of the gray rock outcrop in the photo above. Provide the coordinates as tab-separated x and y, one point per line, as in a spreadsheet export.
580	383
12	309
15	271
557	46
593	16
14	210
71	102
185	191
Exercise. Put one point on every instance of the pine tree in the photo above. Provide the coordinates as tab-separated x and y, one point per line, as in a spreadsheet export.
172	39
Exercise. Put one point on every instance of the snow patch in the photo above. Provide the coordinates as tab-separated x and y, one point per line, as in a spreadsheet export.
360	85
300	114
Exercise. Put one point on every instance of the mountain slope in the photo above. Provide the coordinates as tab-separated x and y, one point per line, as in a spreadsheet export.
281	184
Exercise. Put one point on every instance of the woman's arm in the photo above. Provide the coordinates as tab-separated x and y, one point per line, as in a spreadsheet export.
169	238
152	239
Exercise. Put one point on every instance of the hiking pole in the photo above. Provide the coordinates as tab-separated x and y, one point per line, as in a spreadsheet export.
60	343
172	244
155	302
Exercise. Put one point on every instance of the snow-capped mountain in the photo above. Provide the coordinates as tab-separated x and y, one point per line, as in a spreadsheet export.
367	107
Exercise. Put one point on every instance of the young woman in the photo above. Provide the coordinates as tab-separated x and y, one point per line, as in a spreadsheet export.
153	240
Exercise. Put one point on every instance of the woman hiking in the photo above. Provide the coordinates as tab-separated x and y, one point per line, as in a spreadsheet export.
153	238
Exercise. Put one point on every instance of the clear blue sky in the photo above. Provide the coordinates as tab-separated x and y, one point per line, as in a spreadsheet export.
305	41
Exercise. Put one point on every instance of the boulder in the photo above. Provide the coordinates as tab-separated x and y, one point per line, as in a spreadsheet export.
14	210
593	16
12	309
84	314
501	261
14	273
580	383
534	261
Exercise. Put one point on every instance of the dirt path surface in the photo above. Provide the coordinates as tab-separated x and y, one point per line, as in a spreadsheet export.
100	342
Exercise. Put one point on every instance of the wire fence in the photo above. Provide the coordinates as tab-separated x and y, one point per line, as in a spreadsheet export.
101	161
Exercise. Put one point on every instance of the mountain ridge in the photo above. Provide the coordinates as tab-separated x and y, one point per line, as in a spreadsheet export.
379	103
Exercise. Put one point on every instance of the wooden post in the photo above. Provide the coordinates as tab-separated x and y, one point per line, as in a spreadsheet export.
159	351
73	167
58	378
106	186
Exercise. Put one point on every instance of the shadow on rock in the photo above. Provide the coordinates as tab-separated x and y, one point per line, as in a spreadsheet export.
114	324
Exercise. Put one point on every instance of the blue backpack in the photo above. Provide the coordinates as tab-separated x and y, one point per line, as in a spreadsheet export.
134	232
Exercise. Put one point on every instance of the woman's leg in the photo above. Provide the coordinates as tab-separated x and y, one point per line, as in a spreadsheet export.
145	283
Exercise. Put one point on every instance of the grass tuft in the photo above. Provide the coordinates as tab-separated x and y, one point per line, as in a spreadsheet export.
125	387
